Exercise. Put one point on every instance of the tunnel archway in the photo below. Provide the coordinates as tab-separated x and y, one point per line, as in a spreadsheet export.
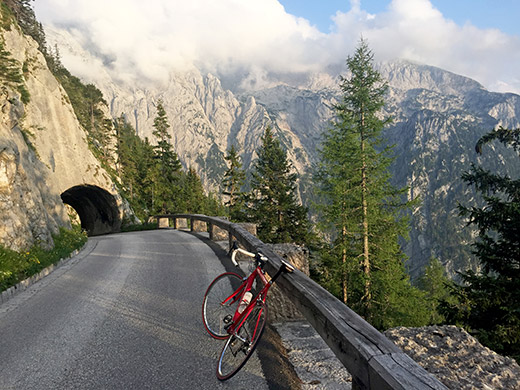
96	207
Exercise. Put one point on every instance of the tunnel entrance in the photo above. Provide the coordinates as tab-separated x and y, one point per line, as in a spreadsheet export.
96	207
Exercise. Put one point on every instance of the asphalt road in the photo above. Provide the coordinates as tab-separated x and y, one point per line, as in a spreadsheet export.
123	314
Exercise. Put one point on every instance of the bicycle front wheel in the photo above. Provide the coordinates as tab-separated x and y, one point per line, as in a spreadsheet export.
242	343
217	309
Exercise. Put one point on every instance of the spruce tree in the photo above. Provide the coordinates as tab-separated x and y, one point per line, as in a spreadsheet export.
489	300
276	210
194	196
360	210
167	168
168	159
436	285
135	166
234	179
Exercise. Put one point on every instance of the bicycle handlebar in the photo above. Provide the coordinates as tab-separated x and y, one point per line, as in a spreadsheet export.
259	256
243	251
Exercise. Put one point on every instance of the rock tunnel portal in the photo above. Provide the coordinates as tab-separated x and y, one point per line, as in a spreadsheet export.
96	207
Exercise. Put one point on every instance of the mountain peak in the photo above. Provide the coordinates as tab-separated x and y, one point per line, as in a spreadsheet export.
406	75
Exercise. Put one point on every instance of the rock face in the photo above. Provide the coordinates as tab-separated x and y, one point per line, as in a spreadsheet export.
28	212
43	154
280	307
438	117
457	359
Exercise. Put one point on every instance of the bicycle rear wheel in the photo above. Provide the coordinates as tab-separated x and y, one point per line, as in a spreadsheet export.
242	343
215	313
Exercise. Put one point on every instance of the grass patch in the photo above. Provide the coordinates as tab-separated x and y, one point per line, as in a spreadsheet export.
17	266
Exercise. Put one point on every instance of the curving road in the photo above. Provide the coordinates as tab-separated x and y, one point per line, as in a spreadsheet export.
124	314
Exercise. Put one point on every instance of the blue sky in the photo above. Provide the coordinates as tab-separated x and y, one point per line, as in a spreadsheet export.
501	14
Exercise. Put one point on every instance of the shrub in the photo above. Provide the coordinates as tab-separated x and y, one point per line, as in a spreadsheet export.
17	266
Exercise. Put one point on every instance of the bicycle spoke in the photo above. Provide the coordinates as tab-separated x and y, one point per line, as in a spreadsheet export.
217	309
241	344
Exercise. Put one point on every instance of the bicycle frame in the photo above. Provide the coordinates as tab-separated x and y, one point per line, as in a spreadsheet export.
239	317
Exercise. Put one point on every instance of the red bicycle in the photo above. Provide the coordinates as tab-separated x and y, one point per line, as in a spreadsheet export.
232	310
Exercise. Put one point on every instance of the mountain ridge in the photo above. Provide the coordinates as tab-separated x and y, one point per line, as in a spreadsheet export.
437	118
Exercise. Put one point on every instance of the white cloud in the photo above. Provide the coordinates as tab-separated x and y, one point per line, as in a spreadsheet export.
145	40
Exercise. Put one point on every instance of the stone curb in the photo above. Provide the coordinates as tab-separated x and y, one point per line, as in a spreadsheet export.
26	283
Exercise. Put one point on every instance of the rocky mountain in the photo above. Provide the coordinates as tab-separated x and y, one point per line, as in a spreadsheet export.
437	118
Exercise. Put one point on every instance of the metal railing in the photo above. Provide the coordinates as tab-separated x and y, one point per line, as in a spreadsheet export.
373	360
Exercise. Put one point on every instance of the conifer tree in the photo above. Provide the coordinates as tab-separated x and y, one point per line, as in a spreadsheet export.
276	210
436	285
234	180
135	163
168	159
195	198
360	210
489	300
167	168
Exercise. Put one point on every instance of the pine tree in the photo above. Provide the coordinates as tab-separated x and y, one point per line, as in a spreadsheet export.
489	300
436	285
234	180
276	210
135	161
168	159
165	175
360	210
195	198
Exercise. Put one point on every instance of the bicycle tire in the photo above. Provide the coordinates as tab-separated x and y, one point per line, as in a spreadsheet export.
213	312
242	343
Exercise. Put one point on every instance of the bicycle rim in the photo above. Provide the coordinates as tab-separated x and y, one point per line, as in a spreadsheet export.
216	314
242	343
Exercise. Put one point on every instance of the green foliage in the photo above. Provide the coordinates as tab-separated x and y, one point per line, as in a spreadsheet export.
11	74
166	169
87	102
194	196
437	286
17	266
135	159
488	303
168	161
151	176
360	211
6	16
275	209
23	13
234	180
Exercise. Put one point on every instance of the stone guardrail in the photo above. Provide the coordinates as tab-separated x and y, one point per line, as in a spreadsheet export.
373	360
